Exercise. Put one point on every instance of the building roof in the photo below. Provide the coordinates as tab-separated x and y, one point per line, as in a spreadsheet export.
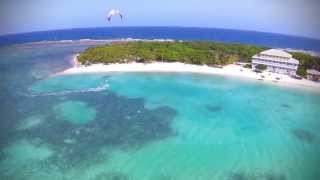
313	72
276	52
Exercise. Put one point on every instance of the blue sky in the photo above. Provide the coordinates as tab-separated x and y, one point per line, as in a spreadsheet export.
296	17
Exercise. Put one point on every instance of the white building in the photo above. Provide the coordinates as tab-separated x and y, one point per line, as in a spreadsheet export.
277	61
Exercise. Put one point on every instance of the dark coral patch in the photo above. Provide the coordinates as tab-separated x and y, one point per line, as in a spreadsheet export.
111	176
120	122
303	135
256	176
238	176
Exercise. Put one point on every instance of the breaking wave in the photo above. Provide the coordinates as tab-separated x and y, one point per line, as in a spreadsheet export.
61	93
88	41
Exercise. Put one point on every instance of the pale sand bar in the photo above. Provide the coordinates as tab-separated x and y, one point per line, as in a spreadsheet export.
229	70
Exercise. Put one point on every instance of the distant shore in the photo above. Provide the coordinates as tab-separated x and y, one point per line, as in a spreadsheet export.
228	70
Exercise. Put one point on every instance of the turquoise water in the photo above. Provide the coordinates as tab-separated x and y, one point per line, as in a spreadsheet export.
151	126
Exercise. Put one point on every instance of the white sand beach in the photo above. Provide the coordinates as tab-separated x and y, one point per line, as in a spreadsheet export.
228	70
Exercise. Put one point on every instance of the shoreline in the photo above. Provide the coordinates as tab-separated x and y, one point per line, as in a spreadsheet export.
176	67
75	61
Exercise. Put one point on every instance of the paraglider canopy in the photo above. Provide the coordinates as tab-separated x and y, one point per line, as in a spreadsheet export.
114	12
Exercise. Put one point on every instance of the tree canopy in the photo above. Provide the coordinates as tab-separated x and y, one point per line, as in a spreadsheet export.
306	61
188	52
261	67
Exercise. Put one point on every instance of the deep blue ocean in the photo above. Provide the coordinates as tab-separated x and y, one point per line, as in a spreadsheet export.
176	33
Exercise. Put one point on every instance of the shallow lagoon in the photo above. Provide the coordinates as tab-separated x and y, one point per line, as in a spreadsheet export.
149	126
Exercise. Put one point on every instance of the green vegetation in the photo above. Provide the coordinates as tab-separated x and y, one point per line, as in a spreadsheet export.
209	53
249	66
306	62
261	67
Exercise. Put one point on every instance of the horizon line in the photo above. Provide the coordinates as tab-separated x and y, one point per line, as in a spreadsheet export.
199	27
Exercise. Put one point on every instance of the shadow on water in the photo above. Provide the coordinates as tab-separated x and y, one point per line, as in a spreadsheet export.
286	106
212	108
256	176
119	122
303	135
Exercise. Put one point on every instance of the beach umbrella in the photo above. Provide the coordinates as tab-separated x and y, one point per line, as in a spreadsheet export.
114	12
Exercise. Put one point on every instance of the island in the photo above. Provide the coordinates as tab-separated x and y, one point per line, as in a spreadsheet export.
209	53
194	56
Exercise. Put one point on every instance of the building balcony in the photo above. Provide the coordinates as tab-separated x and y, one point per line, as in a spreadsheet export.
275	64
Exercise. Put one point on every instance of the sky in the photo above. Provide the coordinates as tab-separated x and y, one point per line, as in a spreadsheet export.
293	17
